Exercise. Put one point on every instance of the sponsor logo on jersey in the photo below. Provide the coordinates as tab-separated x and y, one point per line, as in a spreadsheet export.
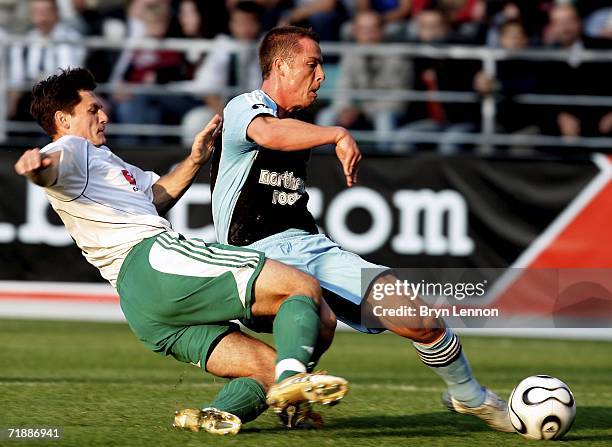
130	179
286	180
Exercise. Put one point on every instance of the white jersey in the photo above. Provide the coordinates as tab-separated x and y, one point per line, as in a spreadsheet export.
105	203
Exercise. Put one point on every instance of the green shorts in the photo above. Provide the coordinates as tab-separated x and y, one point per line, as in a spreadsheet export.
179	295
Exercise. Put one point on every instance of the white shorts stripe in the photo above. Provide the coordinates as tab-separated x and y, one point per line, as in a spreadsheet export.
205	259
208	257
206	249
174	262
202	247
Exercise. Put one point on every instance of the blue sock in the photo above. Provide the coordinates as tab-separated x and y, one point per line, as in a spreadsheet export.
446	358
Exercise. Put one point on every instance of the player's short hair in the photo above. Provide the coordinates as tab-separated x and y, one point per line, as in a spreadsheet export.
282	42
59	92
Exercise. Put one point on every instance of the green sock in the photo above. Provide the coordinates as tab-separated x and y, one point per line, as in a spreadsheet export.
318	352
243	397
295	330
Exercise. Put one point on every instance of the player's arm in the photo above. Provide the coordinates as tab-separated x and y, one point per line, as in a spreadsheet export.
41	169
294	135
170	187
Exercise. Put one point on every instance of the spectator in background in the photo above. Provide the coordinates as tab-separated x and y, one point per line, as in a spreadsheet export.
109	20
28	63
432	26
509	12
457	11
466	17
211	18
599	24
156	66
531	13
587	7
83	15
192	27
149	67
272	10
324	16
395	13
513	77
133	19
130	24
369	72
576	77
190	19
224	66
435	75
5	13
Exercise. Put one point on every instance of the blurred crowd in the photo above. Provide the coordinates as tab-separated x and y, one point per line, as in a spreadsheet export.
512	25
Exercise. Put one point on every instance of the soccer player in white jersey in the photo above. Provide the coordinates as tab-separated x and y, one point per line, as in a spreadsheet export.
259	201
178	295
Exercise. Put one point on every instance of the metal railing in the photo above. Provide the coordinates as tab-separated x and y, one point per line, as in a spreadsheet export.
485	140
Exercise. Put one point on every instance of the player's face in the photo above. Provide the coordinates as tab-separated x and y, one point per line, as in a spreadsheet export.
88	120
305	75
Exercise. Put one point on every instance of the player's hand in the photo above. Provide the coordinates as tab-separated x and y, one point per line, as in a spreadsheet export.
349	155
32	161
204	142
39	168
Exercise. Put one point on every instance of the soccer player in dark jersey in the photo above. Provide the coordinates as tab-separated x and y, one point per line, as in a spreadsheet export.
259	200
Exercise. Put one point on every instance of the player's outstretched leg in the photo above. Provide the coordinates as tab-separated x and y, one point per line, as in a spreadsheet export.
493	411
293	299
242	399
440	349
464	395
239	401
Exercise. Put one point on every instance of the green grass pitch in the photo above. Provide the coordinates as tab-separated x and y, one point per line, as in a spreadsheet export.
103	388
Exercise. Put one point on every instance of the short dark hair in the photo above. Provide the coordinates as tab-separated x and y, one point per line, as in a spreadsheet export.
283	42
59	92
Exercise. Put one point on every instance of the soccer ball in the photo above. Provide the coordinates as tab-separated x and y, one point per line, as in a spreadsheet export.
542	407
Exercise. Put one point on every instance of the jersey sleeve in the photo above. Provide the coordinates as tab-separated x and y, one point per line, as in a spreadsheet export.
236	119
73	172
